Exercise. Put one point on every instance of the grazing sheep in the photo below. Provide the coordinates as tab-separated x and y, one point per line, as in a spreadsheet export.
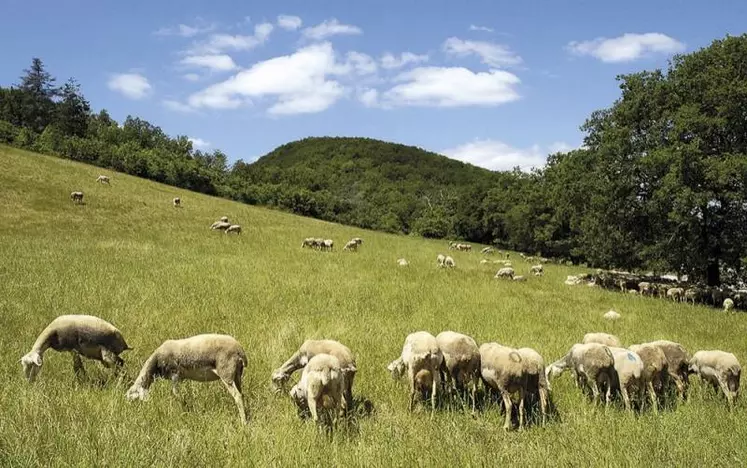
224	219
177	202
675	294
234	228
536	380
611	315
603	339
461	361
421	358
593	365
402	262
327	244
357	240
690	295
502	370
728	304
573	280
103	179
81	335
203	358
440	260
308	242
449	262
464	247
220	226
645	288
351	246
76	197
321	387
655	368
537	270
487	250
308	350
720	369
519	278
628	373
452	245
506	272
677	364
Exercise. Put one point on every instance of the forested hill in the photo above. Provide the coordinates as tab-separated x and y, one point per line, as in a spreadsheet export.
365	182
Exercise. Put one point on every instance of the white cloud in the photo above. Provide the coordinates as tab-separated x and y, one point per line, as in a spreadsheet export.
627	47
452	87
199	143
191	77
218	43
298	83
361	63
184	30
369	97
473	27
289	23
390	61
499	156
494	55
330	27
131	85
213	62
176	106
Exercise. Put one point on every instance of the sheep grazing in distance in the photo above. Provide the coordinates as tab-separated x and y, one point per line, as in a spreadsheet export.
421	358
487	250
645	288
234	228
603	339
177	202
308	242
76	197
628	373
327	244
537	270
611	315
655	368
440	260
357	240
463	247
321	387
449	262
220	226
675	294
223	219
308	350
461	361
82	335
402	262
351	246
203	358
593	365
573	280
677	364
505	272
720	369
452	245
728	304
502	370
519	278
103	179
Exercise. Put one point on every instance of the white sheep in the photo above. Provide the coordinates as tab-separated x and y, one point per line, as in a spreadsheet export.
308	242
502	370
103	179
440	260
328	244
487	250
351	246
593	366
602	338
728	304
505	272
629	373
677	364
720	369
81	335
76	197
655	368
322	388
177	202
421	358
233	228
308	350
675	294
519	278
224	219
203	358
536	380
537	270
402	262
220	226
357	240
461	361
449	262
611	315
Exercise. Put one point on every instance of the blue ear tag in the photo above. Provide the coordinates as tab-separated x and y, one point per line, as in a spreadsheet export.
631	357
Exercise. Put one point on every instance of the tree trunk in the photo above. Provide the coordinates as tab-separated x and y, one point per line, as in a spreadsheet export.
713	273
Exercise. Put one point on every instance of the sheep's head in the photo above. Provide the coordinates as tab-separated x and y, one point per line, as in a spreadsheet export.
278	380
397	368
137	392
32	363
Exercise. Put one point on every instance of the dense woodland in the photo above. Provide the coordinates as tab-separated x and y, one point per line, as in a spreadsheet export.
660	183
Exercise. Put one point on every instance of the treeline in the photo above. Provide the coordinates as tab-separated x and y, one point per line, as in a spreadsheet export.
660	183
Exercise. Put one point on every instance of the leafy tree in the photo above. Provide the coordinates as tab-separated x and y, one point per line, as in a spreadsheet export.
37	86
73	110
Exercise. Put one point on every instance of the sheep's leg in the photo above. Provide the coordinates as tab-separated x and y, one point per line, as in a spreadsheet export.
313	409
652	396
626	397
235	392
411	379
474	393
112	361
595	391
347	402
434	394
508	406
175	385
522	396
680	386
543	404
727	393
80	371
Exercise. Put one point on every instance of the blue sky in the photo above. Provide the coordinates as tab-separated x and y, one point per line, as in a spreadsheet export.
493	83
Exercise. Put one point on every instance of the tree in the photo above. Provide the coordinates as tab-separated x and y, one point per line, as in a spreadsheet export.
39	91
73	111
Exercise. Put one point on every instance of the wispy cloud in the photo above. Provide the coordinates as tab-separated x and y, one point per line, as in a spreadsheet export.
330	27
199	143
221	42
492	54
131	85
390	61
473	27
216	62
289	23
177	106
184	30
627	47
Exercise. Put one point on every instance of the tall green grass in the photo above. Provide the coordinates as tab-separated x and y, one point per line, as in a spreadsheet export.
157	272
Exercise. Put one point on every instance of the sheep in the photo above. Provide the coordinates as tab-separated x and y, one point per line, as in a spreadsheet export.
202	358
440	260
690	295
603	339
357	240
308	242
502	369
505	272
82	335
677	364
655	368
572	280
327	244
720	369
449	262
233	228
611	315
536	380
484	261
321	387
461	361
224	219
593	365
177	202
628	373
421	358
464	247
537	270
728	304
402	262
675	294
519	278
308	350
351	246
220	226
103	179
452	245
76	197
645	288
487	250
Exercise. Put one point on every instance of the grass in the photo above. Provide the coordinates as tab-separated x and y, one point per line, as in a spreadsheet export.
157	272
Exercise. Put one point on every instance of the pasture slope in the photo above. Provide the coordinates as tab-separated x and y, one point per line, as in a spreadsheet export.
157	272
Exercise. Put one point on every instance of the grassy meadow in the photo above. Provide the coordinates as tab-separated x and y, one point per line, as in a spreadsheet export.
157	272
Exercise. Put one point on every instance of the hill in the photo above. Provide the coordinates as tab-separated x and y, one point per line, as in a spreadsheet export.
365	182
157	272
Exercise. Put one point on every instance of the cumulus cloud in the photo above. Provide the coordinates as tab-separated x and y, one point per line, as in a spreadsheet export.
390	61
494	55
220	62
176	106
330	27
452	87
130	85
369	97
499	156
184	30
199	143
473	27
222	42
297	83
361	63
191	77
627	47
289	23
